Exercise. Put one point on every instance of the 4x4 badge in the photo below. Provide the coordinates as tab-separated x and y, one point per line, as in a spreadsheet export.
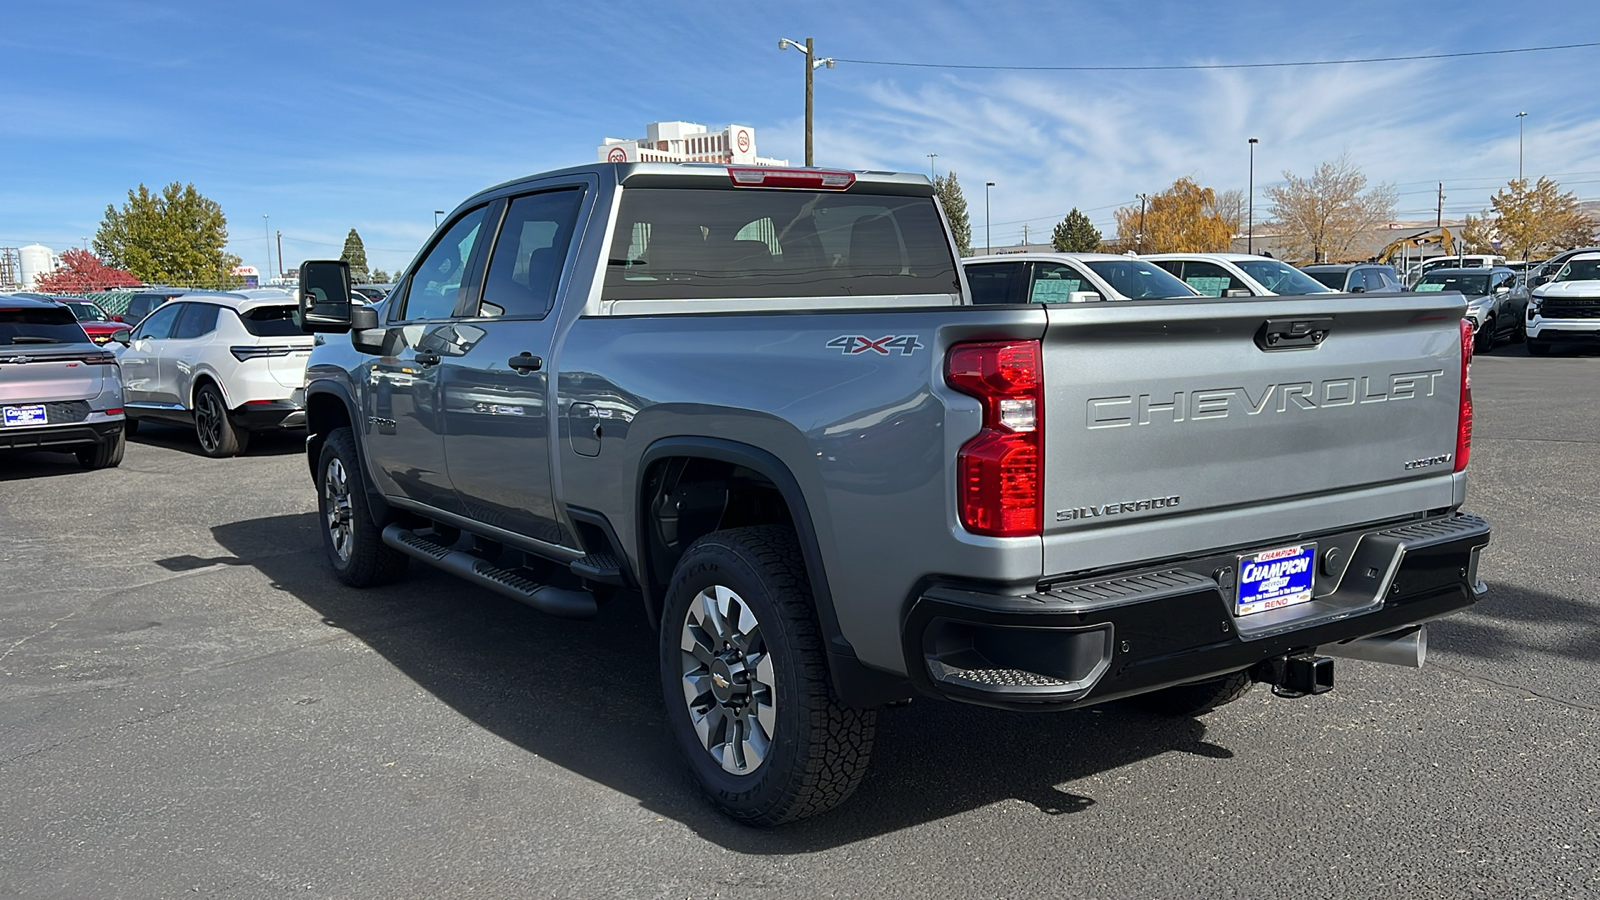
852	344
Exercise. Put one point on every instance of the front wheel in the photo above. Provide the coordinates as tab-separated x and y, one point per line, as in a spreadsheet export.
1484	341
350	535
746	682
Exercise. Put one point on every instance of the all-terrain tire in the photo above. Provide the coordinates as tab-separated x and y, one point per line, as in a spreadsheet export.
1195	699
1484	341
351	536
817	749
107	454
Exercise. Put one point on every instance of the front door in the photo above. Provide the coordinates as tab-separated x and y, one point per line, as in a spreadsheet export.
141	362
495	372
404	431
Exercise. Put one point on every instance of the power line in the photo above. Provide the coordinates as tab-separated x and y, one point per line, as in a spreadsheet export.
1265	65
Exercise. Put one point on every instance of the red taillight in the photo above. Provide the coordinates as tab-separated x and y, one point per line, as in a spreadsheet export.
809	179
114	412
1001	471
1464	419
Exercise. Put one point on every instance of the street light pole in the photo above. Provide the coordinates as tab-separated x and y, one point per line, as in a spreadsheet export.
811	63
280	254
1520	117
266	225
930	165
987	248
1142	199
1250	229
436	214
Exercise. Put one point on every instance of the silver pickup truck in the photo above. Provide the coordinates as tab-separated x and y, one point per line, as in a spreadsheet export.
760	403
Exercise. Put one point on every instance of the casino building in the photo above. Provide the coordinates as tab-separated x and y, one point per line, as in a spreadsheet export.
688	142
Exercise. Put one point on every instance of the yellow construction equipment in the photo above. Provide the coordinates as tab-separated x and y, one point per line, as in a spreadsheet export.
1441	236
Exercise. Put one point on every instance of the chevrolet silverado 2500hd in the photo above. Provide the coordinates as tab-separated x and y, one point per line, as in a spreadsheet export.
761	403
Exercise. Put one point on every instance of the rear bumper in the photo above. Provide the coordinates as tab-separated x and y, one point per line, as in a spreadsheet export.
1122	634
53	437
266	415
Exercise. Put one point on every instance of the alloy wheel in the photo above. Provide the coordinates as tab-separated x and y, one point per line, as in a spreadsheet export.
336	495
208	419
728	680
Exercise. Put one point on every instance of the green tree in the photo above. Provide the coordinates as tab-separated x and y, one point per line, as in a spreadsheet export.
948	190
175	237
1533	222
356	255
1183	218
379	276
1075	234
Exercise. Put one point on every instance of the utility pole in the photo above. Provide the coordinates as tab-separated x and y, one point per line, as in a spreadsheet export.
266	225
280	254
1438	214
1024	235
930	165
1142	199
987	248
811	63
1250	234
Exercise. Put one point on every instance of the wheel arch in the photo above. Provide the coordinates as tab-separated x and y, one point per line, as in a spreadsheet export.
329	405
704	458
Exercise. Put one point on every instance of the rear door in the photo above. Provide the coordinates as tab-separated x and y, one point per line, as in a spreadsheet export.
494	371
1166	416
176	356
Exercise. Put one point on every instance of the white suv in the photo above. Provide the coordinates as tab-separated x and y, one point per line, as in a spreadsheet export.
1566	308
227	364
1237	274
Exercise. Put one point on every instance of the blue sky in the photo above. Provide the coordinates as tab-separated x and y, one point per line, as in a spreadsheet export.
327	116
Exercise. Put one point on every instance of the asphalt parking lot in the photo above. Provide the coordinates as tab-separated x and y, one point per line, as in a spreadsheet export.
191	705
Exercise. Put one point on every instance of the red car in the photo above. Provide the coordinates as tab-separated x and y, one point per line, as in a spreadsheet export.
97	324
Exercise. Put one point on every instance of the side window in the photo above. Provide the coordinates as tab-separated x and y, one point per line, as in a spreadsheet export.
159	323
1210	279
529	253
995	282
196	321
436	283
1055	283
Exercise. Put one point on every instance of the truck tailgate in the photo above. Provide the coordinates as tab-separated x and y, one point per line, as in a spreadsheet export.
1181	426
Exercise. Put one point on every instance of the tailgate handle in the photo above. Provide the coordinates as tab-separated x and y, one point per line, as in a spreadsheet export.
1304	333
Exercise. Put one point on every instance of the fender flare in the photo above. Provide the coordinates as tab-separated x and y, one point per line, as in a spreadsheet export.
375	499
856	684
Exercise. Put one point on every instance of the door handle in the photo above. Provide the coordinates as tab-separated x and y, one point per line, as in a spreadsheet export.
426	358
525	362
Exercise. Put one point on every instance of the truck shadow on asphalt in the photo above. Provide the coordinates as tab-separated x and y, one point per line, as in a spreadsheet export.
586	696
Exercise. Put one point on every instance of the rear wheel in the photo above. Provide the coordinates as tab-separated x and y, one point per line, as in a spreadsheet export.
1194	699
350	535
219	437
105	455
1537	347
746	683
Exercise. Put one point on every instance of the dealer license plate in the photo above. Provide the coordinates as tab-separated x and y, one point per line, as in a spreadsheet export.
24	415
1274	579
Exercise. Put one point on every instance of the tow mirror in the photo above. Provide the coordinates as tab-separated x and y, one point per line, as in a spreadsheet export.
325	296
122	336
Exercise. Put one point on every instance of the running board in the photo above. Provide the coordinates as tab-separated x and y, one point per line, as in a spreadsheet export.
505	582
